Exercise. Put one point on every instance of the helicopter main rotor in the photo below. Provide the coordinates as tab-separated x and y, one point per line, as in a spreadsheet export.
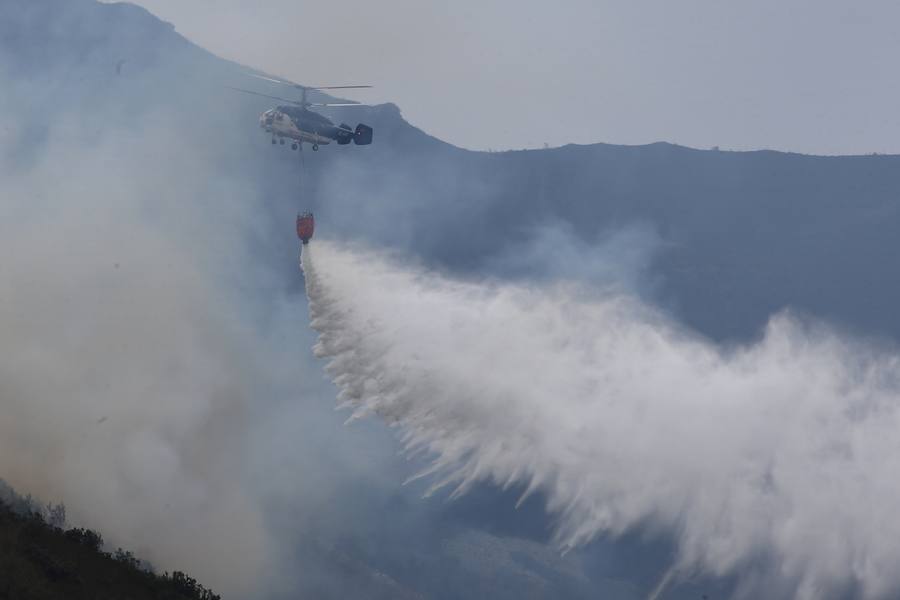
304	89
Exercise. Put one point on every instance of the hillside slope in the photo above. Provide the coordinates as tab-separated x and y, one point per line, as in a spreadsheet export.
42	562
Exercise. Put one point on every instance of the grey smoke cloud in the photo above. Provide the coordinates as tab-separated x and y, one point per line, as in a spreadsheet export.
140	371
619	259
773	459
128	371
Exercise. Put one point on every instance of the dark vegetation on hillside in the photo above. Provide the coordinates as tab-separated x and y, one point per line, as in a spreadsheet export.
41	560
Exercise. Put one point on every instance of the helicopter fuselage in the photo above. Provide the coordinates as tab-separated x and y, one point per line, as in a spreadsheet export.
296	122
301	125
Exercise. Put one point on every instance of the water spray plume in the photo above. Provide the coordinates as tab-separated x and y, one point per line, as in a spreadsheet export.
782	453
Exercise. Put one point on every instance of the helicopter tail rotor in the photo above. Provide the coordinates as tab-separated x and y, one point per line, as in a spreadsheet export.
363	135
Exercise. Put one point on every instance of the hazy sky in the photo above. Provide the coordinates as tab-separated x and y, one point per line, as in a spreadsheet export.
804	75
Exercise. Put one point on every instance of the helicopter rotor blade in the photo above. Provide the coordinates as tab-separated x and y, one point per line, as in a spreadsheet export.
336	87
336	104
273	80
308	87
265	95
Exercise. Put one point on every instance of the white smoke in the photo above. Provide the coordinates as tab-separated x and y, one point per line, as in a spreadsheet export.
783	452
127	371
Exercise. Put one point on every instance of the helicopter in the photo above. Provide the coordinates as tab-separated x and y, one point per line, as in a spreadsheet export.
297	123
